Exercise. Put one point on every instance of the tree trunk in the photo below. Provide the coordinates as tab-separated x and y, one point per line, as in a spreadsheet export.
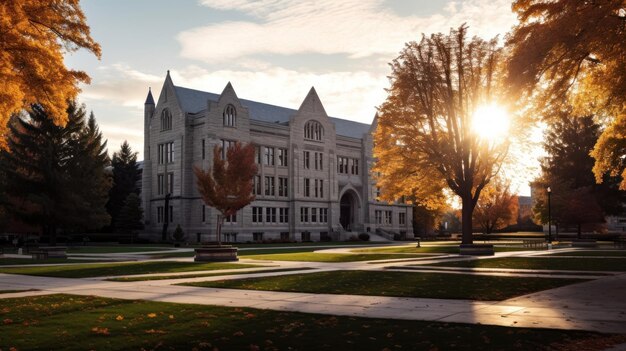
466	219
579	231
52	235
166	214
218	232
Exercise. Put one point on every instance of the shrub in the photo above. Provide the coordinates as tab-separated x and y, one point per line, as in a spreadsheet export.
364	237
178	235
397	237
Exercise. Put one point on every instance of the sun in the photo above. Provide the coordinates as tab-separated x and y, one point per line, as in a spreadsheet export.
491	122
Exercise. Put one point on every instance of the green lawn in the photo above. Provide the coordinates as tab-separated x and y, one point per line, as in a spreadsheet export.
64	322
247	252
114	249
8	261
108	269
614	253
557	263
163	277
328	257
454	249
404	284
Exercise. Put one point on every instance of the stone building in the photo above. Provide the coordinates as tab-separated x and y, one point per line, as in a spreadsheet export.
314	170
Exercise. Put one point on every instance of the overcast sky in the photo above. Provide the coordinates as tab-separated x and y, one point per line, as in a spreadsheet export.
271	50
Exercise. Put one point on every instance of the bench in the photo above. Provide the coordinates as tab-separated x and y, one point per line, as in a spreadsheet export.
45	252
534	244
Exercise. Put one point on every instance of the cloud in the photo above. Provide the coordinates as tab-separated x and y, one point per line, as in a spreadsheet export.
357	28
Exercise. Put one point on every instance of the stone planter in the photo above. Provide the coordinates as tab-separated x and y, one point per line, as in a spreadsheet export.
584	243
52	251
216	253
476	249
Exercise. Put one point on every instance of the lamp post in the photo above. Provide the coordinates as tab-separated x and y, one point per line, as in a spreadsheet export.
549	216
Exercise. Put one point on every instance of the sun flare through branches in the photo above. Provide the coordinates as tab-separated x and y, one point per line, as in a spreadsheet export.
491	122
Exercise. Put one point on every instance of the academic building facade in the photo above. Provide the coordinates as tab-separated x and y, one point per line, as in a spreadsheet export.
313	179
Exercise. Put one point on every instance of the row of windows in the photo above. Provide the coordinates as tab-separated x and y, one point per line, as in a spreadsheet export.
272	214
347	165
313	188
166	153
161	215
384	217
229	118
271	156
313	215
318	158
313	130
227	219
165	185
270	186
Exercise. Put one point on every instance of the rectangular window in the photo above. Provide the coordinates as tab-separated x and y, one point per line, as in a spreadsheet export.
162	186
387	217
203	149
257	155
282	187
319	165
282	157
402	218
284	236
257	214
377	193
307	187
256	185
270	189
283	215
226	144
269	156
342	165
355	166
314	215
306	159
319	188
304	214
378	214
258	236
166	153
231	219
323	215
160	215
270	215
203	213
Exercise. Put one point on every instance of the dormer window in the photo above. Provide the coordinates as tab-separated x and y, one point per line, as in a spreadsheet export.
166	120
313	130
230	116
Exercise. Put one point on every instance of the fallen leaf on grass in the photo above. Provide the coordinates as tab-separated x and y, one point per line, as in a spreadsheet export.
154	331
151	315
101	331
119	318
7	321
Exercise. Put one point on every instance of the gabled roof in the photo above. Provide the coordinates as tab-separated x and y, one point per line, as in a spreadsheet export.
194	101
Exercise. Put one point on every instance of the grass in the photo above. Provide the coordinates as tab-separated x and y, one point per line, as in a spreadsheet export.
614	253
327	257
108	269
164	277
113	249
247	252
9	261
556	263
454	249
15	291
90	323
402	284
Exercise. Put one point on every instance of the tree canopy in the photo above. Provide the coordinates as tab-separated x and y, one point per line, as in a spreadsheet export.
125	178
572	53
497	207
425	131
34	35
55	176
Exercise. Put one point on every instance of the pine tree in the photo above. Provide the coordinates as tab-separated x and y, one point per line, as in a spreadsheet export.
129	218
55	175
125	178
228	186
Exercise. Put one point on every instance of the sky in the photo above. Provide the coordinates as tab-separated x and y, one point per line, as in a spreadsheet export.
270	50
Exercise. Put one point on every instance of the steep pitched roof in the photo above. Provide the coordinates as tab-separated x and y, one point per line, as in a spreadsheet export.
149	98
194	101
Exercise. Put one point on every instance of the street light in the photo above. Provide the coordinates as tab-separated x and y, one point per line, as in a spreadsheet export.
549	217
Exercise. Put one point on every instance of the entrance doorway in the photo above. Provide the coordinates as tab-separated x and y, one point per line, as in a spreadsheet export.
346	214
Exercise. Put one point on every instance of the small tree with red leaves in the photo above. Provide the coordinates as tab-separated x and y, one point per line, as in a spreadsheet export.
228	186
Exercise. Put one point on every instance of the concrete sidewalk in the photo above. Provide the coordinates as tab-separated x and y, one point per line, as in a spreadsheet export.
596	305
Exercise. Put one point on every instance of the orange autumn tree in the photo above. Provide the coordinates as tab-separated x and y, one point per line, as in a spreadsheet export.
425	125
497	207
228	186
566	52
34	36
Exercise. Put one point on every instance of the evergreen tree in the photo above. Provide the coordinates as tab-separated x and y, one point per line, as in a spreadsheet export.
125	178
130	216
55	174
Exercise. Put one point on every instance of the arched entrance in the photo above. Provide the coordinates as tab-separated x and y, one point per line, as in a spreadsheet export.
346	214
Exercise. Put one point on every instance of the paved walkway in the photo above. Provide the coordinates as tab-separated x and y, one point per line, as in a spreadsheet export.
596	305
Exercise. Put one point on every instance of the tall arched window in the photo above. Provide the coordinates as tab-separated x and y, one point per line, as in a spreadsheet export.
166	120
230	116
313	130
